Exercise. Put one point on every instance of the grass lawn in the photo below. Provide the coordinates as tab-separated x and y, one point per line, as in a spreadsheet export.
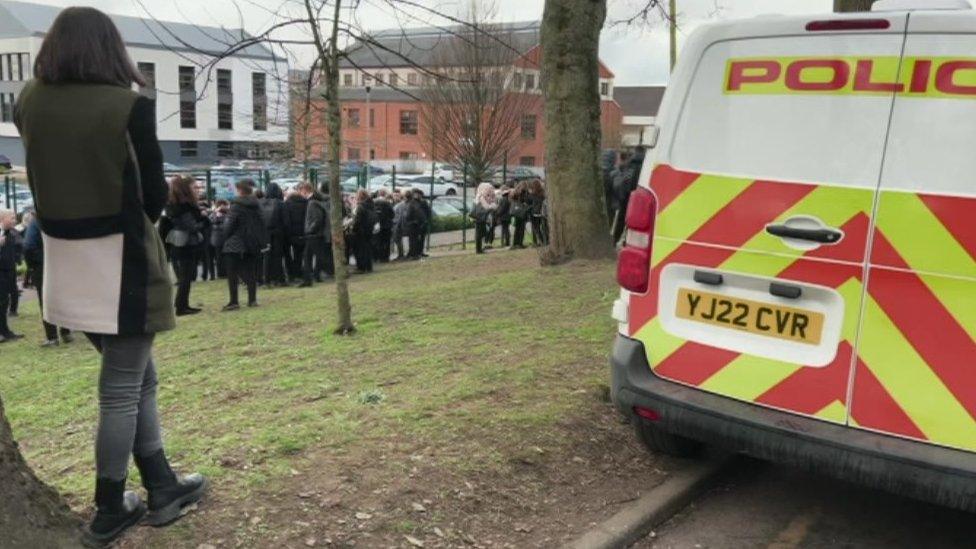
470	361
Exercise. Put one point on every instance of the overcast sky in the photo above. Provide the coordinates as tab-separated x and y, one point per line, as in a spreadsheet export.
638	56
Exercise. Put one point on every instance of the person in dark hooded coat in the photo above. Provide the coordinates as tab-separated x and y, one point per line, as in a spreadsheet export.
244	239
273	215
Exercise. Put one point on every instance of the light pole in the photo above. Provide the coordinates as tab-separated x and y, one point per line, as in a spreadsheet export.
369	135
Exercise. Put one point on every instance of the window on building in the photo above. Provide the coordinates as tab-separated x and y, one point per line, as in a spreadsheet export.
394	79
259	92
372	154
408	155
352	115
148	72
517	81
367	80
224	81
412	79
530	81
352	154
528	126
188	149
6	107
225	149
372	118
604	88
187	79
188	114
225	116
527	161
15	67
409	122
347	80
379	80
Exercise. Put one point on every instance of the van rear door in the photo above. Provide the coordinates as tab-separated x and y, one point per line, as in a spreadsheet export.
765	183
916	376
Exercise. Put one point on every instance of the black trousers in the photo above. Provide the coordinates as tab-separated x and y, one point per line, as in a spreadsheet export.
209	261
539	236
481	229
519	238
294	251
8	284
317	259
185	262
506	232
242	267
415	248
363	250
37	276
398	241
274	261
381	245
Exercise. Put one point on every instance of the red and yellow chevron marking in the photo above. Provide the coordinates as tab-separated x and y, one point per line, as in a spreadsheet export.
914	369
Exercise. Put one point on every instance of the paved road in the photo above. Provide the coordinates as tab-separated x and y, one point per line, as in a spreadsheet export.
763	505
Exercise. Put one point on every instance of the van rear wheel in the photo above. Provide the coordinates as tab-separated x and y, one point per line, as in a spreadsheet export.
659	441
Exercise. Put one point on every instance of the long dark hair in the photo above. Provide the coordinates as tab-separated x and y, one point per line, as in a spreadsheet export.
83	45
182	190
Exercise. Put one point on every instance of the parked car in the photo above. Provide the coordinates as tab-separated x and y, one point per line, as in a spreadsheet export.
513	175
423	182
5	163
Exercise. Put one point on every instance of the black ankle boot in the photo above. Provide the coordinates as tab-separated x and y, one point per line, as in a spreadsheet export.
116	511
168	494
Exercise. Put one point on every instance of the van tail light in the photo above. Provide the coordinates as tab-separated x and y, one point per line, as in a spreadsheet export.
848	25
634	261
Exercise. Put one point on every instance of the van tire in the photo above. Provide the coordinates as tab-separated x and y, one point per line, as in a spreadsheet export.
659	441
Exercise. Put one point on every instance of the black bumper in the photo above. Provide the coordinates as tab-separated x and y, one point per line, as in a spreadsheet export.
932	473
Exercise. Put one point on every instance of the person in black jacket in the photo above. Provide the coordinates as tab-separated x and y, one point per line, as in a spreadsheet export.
273	214
385	215
296	207
503	214
428	218
414	225
363	222
34	257
244	239
185	237
625	181
207	253
608	161
317	256
11	251
519	208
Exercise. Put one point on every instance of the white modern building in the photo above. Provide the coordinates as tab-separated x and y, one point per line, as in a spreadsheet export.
639	105
236	107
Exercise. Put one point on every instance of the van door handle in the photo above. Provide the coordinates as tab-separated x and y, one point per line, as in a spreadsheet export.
821	236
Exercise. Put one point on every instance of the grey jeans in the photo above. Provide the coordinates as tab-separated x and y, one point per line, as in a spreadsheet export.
128	420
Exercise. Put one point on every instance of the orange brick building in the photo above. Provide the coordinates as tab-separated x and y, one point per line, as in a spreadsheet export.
388	127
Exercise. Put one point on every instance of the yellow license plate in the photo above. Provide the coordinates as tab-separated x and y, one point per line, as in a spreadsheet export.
754	317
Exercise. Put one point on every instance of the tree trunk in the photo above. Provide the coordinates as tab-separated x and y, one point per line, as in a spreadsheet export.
32	514
570	76
334	124
852	5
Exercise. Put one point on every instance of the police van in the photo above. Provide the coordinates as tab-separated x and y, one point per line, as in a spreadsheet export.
799	274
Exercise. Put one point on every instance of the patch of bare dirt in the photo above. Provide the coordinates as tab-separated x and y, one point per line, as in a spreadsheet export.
410	495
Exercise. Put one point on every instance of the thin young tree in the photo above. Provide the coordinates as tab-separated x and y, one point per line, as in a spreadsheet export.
472	108
570	77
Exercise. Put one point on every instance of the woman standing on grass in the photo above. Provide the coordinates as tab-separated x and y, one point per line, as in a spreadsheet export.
482	212
245	237
537	212
519	209
185	237
97	178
